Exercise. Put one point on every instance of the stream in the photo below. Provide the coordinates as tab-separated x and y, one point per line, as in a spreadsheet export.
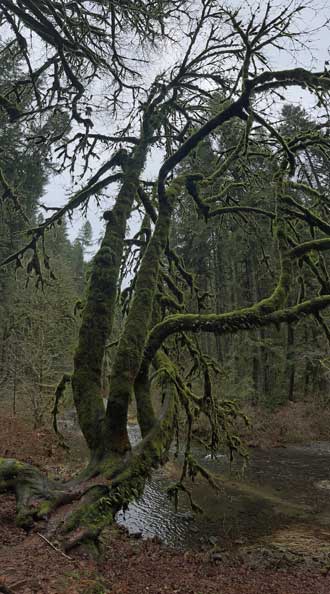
279	488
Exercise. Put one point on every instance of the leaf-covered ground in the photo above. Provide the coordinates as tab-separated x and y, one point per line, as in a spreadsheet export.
128	566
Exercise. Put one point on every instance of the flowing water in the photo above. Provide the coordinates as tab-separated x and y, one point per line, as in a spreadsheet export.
279	488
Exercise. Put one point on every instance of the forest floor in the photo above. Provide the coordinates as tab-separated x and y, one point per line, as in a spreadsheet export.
29	565
292	423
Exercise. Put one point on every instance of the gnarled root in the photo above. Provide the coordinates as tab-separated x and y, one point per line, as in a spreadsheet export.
37	496
95	498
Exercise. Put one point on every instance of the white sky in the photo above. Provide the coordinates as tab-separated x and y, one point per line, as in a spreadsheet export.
313	56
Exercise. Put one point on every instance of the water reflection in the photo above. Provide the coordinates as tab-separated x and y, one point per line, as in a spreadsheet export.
293	481
284	475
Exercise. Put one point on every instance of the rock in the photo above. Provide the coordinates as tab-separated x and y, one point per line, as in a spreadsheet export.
212	540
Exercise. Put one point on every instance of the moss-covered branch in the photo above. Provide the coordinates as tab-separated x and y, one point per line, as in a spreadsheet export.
79	199
269	80
234	109
319	245
231	322
36	495
273	132
224	192
222	210
307	215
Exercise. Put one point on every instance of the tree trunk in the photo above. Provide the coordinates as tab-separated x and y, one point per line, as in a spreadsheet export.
98	314
131	346
97	494
290	367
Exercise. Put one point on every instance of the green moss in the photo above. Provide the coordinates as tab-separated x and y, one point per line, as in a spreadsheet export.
44	509
24	519
172	285
98	314
145	411
131	346
231	322
94	517
170	303
10	471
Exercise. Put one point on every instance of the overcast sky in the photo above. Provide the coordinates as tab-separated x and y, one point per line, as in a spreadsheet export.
60	187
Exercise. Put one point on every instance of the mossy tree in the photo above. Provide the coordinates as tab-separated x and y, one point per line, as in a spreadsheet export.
225	51
235	261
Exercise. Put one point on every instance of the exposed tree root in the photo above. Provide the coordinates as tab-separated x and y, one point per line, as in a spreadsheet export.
77	511
36	494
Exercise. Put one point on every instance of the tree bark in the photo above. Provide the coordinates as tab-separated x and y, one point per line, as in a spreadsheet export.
131	346
98	314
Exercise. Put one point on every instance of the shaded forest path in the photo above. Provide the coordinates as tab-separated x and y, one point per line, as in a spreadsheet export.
294	559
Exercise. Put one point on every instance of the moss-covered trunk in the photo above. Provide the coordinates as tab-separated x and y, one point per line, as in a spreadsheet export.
98	313
131	346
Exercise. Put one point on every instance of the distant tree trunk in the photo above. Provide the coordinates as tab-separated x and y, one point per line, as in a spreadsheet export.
14	384
290	363
3	356
314	367
265	376
257	361
219	282
235	301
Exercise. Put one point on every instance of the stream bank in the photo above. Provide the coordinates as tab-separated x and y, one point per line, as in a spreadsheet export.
278	488
291	559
